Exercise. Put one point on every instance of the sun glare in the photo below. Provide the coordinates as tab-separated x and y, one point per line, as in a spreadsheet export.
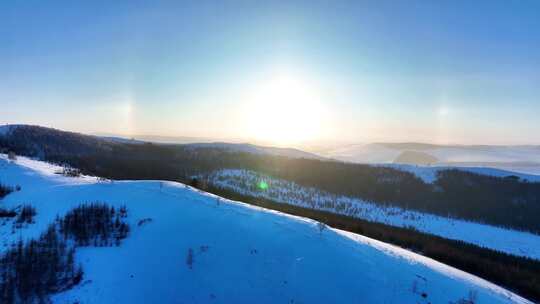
283	110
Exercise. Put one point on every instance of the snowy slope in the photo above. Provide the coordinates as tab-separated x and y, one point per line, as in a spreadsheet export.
429	173
500	239
242	254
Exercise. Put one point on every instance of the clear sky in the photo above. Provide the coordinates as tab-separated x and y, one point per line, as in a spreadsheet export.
276	71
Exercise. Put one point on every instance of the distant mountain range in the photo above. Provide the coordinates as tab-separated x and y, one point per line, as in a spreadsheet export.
524	158
37	141
436	189
518	158
249	148
158	138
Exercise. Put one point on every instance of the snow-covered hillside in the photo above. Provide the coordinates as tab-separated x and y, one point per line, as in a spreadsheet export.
506	240
429	173
186	246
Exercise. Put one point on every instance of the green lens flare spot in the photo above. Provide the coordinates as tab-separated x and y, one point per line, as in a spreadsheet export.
262	185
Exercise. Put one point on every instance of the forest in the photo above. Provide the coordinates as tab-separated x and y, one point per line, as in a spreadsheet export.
507	202
5	190
31	271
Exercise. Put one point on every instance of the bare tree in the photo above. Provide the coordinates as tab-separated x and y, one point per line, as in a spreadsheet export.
189	259
12	156
321	226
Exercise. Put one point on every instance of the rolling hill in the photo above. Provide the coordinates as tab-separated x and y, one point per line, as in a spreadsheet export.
184	248
522	159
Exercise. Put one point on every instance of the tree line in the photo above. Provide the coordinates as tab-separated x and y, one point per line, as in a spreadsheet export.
5	190
31	271
507	202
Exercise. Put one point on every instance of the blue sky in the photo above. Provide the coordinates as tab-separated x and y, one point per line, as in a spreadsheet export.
434	71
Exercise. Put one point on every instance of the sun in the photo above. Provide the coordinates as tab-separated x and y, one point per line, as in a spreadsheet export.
284	109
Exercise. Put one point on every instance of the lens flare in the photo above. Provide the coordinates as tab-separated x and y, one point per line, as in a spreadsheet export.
262	185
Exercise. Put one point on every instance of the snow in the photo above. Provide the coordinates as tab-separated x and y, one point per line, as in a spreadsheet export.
242	254
429	173
505	240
